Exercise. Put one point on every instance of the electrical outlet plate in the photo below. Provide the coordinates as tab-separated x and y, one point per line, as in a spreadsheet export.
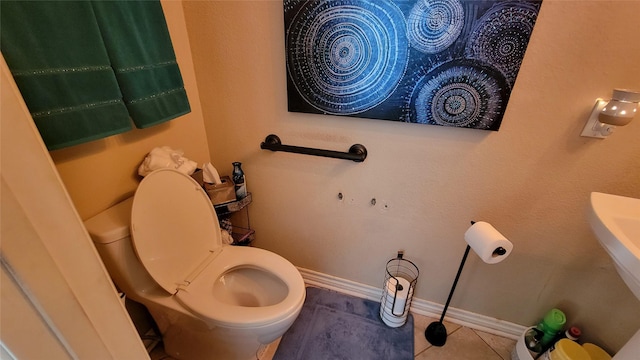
593	127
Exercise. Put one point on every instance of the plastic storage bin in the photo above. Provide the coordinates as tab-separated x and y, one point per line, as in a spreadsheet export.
596	352
520	352
566	349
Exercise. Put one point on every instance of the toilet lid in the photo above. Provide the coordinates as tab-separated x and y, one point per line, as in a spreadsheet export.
174	226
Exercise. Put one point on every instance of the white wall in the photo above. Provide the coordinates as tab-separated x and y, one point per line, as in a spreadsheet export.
531	179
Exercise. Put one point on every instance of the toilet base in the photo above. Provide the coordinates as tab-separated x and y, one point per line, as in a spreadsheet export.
188	338
268	351
182	343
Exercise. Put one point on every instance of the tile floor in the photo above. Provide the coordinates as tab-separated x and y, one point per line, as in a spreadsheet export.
462	344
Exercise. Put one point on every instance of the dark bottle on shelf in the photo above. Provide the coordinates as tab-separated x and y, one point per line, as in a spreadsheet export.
239	181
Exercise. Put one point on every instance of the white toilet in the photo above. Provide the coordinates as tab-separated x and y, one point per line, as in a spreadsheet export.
163	249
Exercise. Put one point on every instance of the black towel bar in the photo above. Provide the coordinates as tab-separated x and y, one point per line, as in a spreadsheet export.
357	152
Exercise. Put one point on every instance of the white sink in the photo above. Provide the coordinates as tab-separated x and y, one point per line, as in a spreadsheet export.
616	222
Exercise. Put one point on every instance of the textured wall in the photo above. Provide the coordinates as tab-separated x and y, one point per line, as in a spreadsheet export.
531	179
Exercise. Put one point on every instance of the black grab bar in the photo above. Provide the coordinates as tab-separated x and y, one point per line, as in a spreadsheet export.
357	152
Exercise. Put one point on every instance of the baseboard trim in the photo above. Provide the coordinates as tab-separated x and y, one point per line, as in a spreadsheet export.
418	306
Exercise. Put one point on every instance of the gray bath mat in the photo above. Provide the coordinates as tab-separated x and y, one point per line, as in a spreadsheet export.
334	326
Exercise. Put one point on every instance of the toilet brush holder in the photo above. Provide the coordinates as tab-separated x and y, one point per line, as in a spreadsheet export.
400	280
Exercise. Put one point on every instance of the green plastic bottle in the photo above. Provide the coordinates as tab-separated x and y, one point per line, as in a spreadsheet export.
550	325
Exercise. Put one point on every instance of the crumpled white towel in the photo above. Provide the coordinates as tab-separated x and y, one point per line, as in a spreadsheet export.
226	237
166	157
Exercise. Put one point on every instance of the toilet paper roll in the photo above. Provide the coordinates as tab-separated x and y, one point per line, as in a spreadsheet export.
400	296
393	321
487	242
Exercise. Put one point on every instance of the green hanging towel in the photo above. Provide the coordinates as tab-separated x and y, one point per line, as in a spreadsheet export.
60	64
84	67
137	39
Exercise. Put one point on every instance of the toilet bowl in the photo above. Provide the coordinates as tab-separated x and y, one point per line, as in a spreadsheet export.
163	249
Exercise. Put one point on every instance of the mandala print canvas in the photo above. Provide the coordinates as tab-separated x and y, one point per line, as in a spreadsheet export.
438	62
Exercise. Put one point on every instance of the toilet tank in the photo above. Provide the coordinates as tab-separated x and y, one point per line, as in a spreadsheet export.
111	235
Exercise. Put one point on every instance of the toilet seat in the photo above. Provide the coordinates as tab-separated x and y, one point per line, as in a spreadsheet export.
171	254
198	296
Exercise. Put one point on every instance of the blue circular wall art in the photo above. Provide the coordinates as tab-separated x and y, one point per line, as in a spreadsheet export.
345	57
500	37
440	62
433	25
459	93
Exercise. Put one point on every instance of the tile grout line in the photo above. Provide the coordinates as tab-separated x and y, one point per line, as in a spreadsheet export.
489	345
448	335
418	354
